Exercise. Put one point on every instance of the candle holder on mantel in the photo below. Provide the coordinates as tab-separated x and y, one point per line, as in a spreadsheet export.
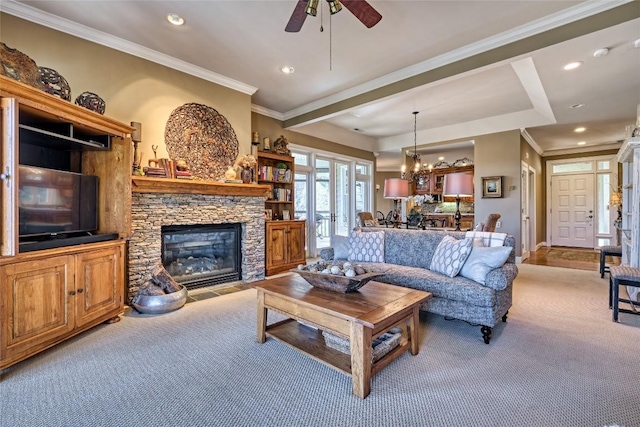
136	137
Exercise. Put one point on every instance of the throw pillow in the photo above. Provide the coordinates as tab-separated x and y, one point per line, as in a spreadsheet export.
340	247
366	246
482	260
450	255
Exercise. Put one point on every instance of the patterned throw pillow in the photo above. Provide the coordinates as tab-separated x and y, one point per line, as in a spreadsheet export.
450	255
366	246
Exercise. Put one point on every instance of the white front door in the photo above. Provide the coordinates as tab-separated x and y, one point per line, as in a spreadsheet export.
572	210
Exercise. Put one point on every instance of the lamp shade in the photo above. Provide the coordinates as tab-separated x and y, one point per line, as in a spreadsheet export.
458	184
396	188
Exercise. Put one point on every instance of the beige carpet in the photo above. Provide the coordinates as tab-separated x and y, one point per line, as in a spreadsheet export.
559	361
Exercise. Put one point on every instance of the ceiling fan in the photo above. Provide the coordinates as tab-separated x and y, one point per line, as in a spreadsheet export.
360	8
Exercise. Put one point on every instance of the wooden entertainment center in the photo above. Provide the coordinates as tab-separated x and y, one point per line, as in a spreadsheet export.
49	295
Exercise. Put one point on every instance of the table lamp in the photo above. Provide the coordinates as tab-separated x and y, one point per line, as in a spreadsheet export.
396	189
458	185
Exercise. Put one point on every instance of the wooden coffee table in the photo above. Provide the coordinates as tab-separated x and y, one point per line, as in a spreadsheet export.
359	317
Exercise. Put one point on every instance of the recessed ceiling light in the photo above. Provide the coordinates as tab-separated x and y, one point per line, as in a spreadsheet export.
175	19
577	106
572	65
581	143
440	158
601	52
580	129
287	69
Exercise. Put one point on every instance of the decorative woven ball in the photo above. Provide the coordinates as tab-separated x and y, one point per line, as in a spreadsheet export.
18	66
54	83
91	101
202	137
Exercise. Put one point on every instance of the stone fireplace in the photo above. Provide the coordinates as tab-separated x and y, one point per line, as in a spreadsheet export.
154	209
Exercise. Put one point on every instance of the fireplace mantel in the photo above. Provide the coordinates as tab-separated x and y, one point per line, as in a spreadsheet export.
143	184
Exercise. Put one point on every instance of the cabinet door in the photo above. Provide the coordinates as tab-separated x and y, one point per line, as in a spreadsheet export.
297	253
276	244
99	285
9	171
437	182
35	300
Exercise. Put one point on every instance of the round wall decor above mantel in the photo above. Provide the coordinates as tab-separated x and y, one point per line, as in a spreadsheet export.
204	138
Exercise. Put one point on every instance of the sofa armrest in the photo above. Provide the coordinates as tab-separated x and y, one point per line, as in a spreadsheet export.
500	278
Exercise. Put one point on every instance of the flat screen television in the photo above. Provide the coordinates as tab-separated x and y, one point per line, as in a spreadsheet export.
54	203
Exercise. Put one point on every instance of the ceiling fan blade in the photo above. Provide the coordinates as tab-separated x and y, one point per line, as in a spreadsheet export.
297	17
363	11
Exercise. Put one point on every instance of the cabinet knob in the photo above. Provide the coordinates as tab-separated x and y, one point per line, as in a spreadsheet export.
6	175
80	290
72	292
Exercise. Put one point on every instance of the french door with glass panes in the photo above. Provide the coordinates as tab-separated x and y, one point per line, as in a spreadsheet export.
334	208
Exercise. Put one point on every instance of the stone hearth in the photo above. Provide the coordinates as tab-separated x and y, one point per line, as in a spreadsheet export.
151	211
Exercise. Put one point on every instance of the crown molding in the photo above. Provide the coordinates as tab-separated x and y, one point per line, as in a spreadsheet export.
66	26
531	141
267	112
585	149
575	13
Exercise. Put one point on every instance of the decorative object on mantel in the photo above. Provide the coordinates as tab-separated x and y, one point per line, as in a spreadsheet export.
280	146
91	101
246	163
54	83
462	162
266	144
204	138
230	174
441	165
136	138
18	66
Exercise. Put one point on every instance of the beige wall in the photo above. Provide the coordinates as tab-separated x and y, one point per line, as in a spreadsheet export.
498	154
272	129
383	205
534	160
134	89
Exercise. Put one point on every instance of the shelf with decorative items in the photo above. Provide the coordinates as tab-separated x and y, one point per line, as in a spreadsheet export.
277	171
285	236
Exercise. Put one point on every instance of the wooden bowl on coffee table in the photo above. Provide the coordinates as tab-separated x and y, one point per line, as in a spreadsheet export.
334	282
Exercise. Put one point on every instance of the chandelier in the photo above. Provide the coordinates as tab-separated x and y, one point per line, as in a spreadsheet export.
415	169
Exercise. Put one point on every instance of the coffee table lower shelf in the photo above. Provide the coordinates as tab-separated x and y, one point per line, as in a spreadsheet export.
310	341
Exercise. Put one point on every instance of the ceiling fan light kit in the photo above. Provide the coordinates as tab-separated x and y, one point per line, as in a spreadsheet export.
359	8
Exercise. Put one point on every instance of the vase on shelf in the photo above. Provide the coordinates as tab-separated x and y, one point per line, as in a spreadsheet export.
246	175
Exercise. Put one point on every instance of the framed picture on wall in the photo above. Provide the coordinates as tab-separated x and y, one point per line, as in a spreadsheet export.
491	186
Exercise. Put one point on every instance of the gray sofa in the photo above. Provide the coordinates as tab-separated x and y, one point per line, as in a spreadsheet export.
408	255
